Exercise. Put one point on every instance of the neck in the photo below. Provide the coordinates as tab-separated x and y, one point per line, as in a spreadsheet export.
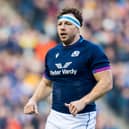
77	37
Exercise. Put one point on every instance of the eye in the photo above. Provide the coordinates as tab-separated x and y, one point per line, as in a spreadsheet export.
59	24
68	23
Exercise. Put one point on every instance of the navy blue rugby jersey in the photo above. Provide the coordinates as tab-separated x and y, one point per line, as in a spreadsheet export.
71	70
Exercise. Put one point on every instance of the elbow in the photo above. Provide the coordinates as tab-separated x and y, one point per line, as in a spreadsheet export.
109	85
109	81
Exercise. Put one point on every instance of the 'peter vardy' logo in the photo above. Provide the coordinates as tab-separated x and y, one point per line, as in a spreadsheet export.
63	69
66	65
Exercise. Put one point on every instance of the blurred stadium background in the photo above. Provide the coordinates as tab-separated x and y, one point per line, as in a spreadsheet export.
28	31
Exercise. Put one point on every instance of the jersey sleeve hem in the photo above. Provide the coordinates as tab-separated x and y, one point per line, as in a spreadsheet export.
45	76
101	69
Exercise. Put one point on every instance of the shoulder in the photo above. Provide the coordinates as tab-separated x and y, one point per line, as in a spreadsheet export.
93	47
54	49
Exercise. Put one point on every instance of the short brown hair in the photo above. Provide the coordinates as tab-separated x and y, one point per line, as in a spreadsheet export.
73	11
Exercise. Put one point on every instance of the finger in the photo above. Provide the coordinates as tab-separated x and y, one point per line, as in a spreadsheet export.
36	110
29	110
74	112
33	110
67	105
72	109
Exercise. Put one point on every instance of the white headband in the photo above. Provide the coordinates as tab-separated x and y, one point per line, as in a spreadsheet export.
71	19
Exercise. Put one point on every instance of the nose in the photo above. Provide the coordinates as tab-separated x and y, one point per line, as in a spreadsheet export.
62	26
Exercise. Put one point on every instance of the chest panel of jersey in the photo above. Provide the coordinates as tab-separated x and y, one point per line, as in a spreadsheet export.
71	63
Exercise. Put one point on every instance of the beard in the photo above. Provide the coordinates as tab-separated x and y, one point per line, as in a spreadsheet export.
67	41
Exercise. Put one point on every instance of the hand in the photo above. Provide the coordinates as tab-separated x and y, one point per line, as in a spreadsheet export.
31	107
75	106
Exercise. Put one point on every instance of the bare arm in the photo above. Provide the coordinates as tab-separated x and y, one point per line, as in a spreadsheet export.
104	84
43	90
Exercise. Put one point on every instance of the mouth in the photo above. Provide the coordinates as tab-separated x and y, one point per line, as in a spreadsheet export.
63	34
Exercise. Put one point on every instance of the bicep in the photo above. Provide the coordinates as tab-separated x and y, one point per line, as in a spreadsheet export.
105	76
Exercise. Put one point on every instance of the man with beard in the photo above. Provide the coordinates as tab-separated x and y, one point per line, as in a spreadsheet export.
77	72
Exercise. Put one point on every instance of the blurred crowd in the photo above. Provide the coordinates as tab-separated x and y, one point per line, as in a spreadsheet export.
28	31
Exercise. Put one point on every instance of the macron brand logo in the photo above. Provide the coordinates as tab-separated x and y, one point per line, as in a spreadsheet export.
62	69
57	54
66	65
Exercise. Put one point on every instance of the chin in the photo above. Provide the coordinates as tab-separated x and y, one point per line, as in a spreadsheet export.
64	40
67	43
